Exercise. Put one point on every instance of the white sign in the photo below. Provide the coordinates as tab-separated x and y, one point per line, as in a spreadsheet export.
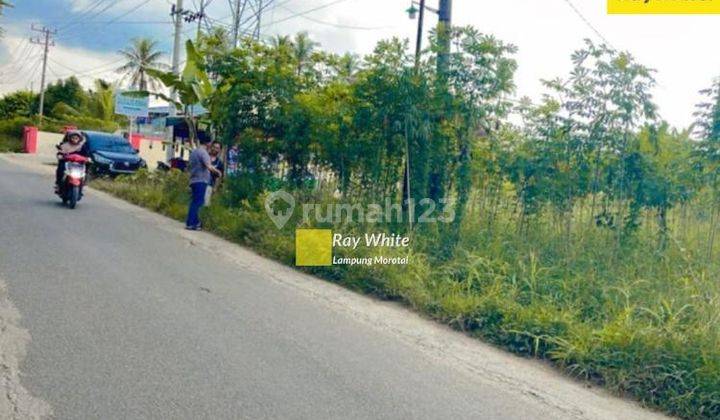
197	110
132	106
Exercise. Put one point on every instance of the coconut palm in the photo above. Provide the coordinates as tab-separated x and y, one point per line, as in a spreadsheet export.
303	48
281	41
142	55
102	104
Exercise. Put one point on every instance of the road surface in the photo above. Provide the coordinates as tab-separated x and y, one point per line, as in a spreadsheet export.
130	316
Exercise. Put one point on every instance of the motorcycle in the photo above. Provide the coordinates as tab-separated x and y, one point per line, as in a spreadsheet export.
70	189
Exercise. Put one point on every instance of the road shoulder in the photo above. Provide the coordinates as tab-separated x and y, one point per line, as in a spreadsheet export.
15	401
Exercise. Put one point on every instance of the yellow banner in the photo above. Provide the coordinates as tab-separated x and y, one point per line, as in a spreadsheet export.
663	7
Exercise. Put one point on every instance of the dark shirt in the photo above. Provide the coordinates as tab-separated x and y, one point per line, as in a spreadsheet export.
220	166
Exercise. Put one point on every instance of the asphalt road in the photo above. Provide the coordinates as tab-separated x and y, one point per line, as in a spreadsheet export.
129	318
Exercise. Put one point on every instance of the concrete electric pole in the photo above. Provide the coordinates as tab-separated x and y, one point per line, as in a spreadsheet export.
200	16
444	31
177	15
46	41
444	13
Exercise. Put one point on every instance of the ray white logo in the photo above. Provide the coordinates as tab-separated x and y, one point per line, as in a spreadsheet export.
280	217
280	206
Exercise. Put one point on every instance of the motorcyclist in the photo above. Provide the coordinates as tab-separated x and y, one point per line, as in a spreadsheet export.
73	143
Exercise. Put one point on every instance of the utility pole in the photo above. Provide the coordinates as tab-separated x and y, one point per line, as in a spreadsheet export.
444	34
200	16
444	31
418	42
177	14
47	42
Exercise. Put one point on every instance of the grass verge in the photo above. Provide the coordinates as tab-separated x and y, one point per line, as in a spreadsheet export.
639	322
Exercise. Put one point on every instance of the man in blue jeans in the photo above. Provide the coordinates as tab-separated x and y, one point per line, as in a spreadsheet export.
200	168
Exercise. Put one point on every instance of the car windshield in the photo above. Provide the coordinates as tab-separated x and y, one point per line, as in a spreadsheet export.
110	144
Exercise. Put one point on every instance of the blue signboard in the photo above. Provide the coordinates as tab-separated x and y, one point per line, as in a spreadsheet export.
132	106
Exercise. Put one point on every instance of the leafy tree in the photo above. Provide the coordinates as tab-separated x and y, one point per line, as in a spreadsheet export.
18	104
606	100
192	86
69	93
707	128
142	56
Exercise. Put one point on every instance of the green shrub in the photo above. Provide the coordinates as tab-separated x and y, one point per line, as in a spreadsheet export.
57	125
11	132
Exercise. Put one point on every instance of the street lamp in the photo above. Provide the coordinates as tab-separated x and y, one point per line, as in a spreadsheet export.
412	11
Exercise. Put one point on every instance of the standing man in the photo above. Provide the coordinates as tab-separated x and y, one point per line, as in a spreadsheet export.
217	163
200	177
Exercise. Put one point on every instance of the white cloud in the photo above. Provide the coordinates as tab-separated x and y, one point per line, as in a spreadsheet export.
113	7
23	69
546	33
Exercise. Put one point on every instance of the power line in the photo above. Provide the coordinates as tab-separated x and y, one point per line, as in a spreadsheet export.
20	72
33	72
14	57
300	14
117	18
588	23
131	22
335	25
86	13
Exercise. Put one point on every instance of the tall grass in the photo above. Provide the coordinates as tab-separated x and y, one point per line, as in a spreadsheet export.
643	319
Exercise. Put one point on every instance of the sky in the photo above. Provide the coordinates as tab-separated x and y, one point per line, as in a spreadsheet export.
546	32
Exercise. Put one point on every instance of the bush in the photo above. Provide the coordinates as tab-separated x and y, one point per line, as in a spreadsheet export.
56	125
11	132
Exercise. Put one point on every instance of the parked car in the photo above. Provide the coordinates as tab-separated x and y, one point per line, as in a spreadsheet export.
112	155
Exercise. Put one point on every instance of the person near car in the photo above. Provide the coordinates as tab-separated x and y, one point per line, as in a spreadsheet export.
201	169
215	153
73	143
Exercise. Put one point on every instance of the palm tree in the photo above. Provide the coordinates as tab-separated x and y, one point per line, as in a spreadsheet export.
142	55
303	48
347	66
281	41
102	104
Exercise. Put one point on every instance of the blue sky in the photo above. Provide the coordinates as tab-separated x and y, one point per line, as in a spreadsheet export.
93	30
546	32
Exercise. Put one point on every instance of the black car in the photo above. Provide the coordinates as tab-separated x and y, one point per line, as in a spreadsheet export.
112	154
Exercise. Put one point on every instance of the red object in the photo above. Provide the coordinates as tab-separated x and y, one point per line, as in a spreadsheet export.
75	181
135	140
30	135
76	158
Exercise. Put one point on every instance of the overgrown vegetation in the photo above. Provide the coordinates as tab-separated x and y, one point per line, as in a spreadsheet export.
584	234
641	322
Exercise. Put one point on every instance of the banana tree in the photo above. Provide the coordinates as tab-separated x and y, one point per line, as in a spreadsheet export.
192	87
